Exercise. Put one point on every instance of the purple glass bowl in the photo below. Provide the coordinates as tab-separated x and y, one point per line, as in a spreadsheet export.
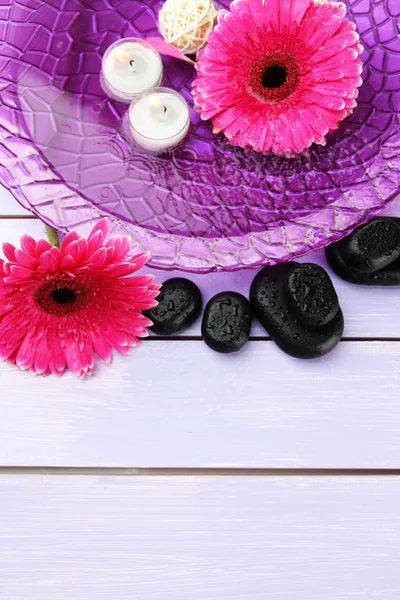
65	153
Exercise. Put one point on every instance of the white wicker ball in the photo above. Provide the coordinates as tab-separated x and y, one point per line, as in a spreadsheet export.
185	24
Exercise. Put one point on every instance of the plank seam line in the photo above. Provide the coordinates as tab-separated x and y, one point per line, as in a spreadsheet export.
19	217
196	472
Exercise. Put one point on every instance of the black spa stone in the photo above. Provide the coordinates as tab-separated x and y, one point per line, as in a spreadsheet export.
226	322
389	276
311	295
179	305
273	306
373	246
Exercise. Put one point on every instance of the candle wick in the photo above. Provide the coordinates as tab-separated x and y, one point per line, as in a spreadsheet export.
132	63
165	109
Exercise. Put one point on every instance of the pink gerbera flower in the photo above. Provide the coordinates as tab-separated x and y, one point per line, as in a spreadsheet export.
58	307
279	75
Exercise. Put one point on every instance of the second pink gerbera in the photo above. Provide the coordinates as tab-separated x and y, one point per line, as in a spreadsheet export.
279	75
61	306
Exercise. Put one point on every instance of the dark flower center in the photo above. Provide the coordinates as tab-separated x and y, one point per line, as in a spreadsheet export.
275	77
62	296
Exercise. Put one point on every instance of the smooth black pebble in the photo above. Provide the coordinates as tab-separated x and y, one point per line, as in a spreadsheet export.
226	322
373	246
312	297
179	305
389	276
273	305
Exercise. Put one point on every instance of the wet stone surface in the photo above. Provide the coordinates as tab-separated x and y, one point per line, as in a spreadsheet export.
226	322
179	305
281	308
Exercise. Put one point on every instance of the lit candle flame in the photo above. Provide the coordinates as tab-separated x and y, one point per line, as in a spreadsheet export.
122	55
159	107
156	102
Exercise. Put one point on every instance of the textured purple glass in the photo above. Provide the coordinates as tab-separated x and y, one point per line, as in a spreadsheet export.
66	153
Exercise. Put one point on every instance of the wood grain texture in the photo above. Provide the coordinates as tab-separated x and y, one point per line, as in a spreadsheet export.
369	312
178	404
203	538
8	204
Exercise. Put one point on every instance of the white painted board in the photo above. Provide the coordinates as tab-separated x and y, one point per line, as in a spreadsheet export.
199	538
178	404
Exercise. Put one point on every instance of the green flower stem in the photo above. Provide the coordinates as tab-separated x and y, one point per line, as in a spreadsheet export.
52	236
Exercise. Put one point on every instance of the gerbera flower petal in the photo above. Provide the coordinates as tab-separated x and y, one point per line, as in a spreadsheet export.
95	242
9	251
232	120
73	250
323	120
19	272
316	126
83	249
73	357
42	356
48	262
57	358
24	259
28	245
58	307
140	260
5	352
42	246
101	226
101	346
334	14
72	236
67	263
26	352
120	245
98	259
337	44
9	337
267	62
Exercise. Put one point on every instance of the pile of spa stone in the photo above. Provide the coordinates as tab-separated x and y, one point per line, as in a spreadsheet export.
296	303
298	306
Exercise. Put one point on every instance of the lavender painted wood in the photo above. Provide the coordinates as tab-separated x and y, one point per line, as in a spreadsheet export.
178	404
369	312
203	538
8	204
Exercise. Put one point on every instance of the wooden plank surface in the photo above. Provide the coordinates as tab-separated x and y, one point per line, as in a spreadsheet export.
370	313
8	204
199	538
177	404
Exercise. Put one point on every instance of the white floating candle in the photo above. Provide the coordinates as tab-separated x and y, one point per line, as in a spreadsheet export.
130	67
159	119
